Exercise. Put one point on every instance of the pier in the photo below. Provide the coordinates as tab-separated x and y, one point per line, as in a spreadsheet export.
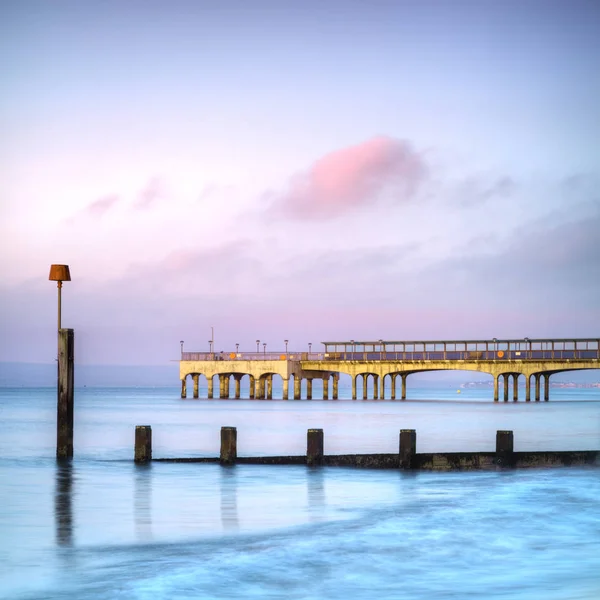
372	365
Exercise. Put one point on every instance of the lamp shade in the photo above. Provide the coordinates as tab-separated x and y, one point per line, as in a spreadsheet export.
59	273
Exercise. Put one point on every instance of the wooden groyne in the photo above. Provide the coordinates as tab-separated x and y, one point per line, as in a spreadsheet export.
406	458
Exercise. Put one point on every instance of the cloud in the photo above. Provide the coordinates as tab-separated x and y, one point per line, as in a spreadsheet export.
474	192
353	177
152	193
97	209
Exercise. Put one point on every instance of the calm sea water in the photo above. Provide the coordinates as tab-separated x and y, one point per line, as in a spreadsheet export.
100	527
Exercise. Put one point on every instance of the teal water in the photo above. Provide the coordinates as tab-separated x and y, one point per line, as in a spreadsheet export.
100	527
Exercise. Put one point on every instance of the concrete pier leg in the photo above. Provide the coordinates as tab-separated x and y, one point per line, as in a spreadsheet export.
408	448
260	388
143	444
326	388
546	387
375	387
404	386
226	385
382	387
515	387
354	386
195	379
314	447
210	392
65	393
297	387
221	386
365	386
393	386
184	387
286	389
528	388
251	393
228	445
537	387
270	387
309	388
496	385
505	376
238	386
336	381
504	448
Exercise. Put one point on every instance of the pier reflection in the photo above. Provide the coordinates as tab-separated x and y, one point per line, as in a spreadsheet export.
315	489
142	506
63	502
229	508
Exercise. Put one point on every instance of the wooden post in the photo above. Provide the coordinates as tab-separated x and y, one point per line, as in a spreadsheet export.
66	379
408	448
228	445
143	443
314	447
504	448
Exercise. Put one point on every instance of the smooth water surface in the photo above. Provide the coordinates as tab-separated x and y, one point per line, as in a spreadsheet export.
101	527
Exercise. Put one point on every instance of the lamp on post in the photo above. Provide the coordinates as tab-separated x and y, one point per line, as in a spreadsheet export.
380	349
353	347
237	347
495	347
257	344
59	273
309	347
286	345
265	349
528	348
181	344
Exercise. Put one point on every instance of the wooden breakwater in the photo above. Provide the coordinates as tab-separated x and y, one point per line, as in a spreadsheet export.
406	458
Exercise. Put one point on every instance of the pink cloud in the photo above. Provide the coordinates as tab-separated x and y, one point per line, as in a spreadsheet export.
101	206
150	194
353	177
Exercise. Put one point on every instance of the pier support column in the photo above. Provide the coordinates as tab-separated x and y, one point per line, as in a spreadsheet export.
505	376
336	380
238	386
382	388
210	385
297	387
354	386
228	445
326	388
286	389
195	380
528	388
393	386
404	386
496	385
143	444
408	448
515	387
309	388
227	382
537	387
221	386
365	387
270	387
251	392
314	447
260	388
184	387
546	387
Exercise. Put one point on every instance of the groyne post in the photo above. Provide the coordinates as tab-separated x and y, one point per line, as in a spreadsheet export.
408	448
66	380
228	445
143	444
504	448
314	447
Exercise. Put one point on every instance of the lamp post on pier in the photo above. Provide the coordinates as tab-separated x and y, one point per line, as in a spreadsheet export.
309	348
286	345
380	349
181	344
257	344
265	349
237	347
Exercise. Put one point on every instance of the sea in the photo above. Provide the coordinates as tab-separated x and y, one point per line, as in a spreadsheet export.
101	527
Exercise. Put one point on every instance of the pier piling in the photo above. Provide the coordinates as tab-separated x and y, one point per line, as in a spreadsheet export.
408	447
504	448
314	447
66	380
228	445
143	443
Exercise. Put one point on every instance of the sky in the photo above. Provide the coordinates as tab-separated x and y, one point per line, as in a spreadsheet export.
310	171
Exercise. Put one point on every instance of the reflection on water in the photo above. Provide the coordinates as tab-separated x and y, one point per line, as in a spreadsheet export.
315	487
229	509
143	502
63	502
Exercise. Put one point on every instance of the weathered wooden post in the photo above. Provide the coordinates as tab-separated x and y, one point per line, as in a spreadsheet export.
228	445
408	448
143	444
314	447
504	448
66	379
